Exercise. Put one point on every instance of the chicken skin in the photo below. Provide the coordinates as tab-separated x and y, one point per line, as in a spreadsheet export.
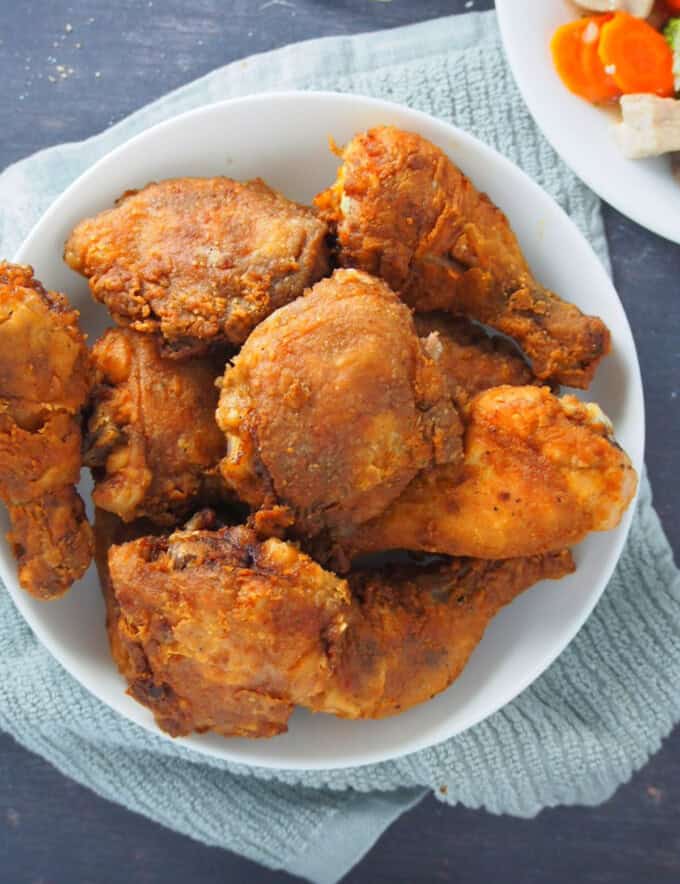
412	629
401	210
152	442
45	378
199	260
215	630
110	530
470	360
539	473
333	406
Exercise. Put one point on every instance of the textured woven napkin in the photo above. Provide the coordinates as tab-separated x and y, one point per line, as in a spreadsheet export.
574	736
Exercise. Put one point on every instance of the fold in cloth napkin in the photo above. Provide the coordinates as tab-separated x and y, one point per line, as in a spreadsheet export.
576	734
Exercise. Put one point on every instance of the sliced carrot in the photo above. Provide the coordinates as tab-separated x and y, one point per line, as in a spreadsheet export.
638	58
576	59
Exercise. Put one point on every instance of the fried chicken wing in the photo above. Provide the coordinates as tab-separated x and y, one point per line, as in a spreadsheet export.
539	473
199	259
470	360
332	406
403	211
152	441
45	377
218	631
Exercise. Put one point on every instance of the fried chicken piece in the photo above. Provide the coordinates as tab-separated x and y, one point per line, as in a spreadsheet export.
470	360
45	377
332	406
412	629
403	211
539	473
199	259
218	631
110	530
153	443
126	651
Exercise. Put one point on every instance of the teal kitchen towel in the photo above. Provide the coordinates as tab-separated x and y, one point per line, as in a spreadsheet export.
571	738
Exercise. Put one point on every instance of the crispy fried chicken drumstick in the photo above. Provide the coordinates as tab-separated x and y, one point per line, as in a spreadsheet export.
215	630
199	259
45	379
403	211
539	473
332	406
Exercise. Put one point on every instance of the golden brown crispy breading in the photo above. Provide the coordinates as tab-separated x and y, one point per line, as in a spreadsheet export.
470	360
230	629
332	406
539	473
173	713
109	530
51	540
403	211
45	377
217	631
153	443
413	629
199	259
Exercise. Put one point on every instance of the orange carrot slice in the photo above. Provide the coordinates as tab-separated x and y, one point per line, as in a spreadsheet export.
638	58
574	49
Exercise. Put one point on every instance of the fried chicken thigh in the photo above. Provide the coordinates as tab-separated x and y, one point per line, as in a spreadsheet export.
45	378
152	441
199	259
219	632
333	406
215	630
539	473
403	211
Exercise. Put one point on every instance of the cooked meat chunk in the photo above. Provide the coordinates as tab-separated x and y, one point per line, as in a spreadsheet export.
470	360
333	406
45	378
401	210
538	474
199	260
218	631
153	443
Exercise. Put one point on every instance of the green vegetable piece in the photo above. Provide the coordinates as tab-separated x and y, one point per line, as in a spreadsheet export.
672	35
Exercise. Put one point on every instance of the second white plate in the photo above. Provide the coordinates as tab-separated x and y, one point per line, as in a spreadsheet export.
643	190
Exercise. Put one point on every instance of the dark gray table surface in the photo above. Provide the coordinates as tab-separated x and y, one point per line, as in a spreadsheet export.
69	70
